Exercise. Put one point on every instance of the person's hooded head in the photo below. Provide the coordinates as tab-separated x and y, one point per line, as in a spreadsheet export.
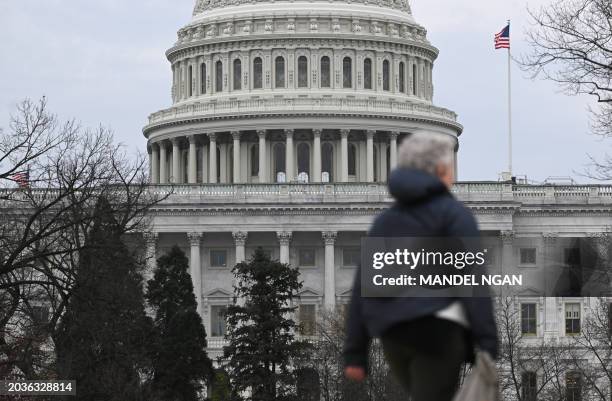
425	167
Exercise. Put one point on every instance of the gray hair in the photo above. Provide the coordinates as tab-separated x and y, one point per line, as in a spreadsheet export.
426	150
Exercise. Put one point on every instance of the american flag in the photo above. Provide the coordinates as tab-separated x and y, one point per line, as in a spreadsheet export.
22	179
502	39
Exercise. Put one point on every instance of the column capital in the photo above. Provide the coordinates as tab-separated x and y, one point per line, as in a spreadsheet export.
154	145
192	138
550	238
370	133
289	132
150	237
212	136
284	237
329	237
176	141
394	134
236	135
261	133
317	132
507	236
195	238
344	133
240	237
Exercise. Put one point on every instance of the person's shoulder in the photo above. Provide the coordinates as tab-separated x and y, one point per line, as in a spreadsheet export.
381	221
458	216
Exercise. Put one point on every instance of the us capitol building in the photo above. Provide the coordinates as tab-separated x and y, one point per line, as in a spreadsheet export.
285	122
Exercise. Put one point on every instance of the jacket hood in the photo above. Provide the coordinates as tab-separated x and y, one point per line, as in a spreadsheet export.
408	185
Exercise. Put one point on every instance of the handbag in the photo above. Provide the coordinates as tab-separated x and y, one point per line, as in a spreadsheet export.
482	384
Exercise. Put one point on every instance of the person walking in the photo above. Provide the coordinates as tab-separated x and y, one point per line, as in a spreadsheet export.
425	340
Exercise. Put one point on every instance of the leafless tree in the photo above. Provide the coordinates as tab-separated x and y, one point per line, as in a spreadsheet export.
571	44
51	176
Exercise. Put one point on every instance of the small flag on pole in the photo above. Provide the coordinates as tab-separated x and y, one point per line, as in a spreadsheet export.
22	179
502	39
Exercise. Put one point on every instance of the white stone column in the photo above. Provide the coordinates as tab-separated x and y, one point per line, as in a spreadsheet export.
263	165
154	163
163	163
289	155
195	267
507	238
240	238
344	155
212	158
284	239
370	155
236	161
151	255
316	174
204	164
176	161
329	238
393	149
192	173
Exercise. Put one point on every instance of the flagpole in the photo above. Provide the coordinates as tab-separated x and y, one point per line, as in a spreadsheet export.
509	108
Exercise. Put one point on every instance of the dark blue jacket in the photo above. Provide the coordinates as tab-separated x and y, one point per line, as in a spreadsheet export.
424	207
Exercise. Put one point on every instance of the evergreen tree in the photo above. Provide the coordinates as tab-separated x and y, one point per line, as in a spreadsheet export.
180	362
262	345
102	339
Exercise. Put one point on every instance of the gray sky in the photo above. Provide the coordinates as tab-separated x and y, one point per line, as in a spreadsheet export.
103	62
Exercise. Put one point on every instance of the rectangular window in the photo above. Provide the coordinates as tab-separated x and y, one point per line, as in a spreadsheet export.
218	258
307	257
529	383
350	257
528	319
218	321
528	256
573	386
307	315
572	318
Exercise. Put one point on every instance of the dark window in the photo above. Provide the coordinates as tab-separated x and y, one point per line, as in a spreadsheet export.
254	160
325	72
279	158
302	72
279	72
573	386
203	77
218	76
529	383
528	256
528	319
572	318
237	74
306	257
307	320
352	159
257	73
402	77
414	79
303	151
350	257
385	68
218	321
347	72
327	159
190	81
572	256
218	258
367	73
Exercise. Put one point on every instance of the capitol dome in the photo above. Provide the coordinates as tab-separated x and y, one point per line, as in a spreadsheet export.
294	91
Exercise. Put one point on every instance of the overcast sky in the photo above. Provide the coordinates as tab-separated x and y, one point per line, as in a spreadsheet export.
103	62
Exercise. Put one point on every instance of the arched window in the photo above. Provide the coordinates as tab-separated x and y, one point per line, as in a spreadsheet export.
237	74
402	77
327	160
302	72
367	73
279	158
257	73
303	153
279	72
347	72
218	76
385	75
190	81
203	78
414	79
352	159
255	160
325	72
